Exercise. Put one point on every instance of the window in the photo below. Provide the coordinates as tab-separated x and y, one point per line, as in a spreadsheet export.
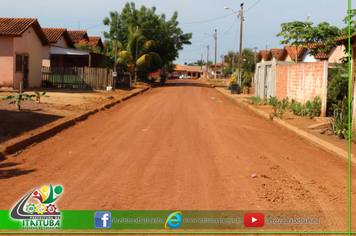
189	73
194	74
18	62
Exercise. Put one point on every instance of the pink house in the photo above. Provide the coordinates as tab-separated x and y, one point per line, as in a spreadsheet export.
21	44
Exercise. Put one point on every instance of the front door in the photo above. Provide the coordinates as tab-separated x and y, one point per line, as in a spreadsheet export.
25	72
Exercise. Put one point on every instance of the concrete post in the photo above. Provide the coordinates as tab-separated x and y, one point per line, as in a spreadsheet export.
324	90
262	81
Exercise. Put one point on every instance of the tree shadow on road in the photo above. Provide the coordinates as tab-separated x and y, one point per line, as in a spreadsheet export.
15	123
9	173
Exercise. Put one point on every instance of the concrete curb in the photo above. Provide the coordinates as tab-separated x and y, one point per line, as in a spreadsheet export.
315	140
51	129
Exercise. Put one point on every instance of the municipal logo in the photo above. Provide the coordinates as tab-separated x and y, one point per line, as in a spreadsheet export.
102	219
174	220
45	214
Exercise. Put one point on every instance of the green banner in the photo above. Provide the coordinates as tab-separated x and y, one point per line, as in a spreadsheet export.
170	220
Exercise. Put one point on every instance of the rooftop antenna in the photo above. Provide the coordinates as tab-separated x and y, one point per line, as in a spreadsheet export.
306	19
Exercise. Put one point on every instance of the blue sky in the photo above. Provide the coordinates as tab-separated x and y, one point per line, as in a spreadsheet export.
261	22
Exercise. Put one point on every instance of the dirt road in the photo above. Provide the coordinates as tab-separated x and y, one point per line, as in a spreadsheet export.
183	146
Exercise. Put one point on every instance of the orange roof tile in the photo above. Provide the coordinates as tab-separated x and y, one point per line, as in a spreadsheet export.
17	26
77	35
258	56
179	68
279	54
291	51
53	34
96	41
345	40
266	55
320	55
219	64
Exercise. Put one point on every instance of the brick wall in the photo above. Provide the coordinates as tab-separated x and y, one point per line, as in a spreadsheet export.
281	81
301	81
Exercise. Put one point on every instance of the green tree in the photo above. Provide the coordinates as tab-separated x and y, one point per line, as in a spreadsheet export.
337	84
296	33
229	58
303	33
145	55
345	31
169	38
325	34
247	67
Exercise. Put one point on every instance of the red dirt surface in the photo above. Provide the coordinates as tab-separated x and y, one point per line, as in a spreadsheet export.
176	148
60	103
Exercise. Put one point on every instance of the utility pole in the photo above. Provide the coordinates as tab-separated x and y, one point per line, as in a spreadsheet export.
201	64
242	19
233	64
207	62
117	37
222	65
215	36
136	55
255	54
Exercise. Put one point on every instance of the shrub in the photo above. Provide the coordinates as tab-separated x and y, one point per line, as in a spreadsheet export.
337	84
19	97
339	122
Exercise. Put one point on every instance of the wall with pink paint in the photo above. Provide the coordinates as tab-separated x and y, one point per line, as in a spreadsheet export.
29	43
336	54
61	43
6	62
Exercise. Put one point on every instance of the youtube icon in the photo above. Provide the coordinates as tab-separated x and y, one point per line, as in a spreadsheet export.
254	220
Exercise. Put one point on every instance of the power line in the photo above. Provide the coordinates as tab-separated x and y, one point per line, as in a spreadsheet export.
229	28
94	26
206	21
252	6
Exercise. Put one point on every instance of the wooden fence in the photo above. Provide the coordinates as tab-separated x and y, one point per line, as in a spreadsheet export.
76	77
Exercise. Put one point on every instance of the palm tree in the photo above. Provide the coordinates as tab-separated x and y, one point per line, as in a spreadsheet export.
145	55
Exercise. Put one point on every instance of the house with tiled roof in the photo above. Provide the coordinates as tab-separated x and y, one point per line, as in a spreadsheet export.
291	51
77	35
21	44
62	51
265	55
58	39
259	56
278	54
219	66
95	41
332	56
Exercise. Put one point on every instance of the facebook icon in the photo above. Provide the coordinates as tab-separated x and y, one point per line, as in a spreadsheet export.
102	219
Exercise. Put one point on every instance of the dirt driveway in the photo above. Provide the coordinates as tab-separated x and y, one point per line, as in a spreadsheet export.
183	146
